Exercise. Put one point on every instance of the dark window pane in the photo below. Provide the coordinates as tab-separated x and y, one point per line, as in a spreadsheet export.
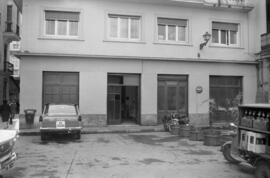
135	28
161	32
233	37
62	27
181	33
50	27
215	36
123	27
73	28
113	26
223	37
171	32
115	79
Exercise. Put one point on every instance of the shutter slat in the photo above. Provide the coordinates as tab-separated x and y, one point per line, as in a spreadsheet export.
167	21
62	15
225	26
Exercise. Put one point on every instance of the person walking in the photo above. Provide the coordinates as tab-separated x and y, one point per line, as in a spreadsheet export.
5	112
13	110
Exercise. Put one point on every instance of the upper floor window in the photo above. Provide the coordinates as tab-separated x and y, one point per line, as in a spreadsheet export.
172	29
123	27
61	23
226	34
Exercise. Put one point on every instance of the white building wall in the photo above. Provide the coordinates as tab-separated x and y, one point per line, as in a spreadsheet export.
93	82
93	38
142	56
257	25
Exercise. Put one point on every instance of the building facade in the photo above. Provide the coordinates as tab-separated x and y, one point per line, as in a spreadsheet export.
264	61
136	61
10	22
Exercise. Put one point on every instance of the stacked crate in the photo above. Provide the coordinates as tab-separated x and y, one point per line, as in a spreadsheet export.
255	119
251	139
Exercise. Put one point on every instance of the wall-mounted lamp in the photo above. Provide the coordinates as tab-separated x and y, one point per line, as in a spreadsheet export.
206	38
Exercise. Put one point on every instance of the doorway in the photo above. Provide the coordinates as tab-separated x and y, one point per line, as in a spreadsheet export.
129	104
172	95
123	105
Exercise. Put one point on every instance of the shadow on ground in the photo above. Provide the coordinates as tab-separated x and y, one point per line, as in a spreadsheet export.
56	138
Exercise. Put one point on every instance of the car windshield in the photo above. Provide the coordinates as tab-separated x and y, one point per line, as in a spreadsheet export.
61	110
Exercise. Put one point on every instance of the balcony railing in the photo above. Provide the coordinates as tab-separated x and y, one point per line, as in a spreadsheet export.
233	2
10	28
16	73
230	3
265	41
8	67
18	30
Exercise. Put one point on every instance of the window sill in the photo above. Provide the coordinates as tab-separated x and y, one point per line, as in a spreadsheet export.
60	38
225	46
124	41
172	43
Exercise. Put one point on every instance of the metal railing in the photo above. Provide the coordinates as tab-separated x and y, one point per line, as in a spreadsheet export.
8	67
9	28
229	2
265	40
18	30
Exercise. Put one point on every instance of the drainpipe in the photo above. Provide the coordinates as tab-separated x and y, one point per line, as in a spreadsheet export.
260	76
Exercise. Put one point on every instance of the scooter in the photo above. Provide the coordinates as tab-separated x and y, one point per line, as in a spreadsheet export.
228	149
174	119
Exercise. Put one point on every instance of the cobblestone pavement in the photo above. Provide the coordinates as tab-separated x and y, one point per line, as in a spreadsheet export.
134	155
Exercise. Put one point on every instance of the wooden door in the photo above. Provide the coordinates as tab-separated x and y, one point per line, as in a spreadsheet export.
172	96
114	105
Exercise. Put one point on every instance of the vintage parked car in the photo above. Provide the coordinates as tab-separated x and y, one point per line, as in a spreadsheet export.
7	155
60	119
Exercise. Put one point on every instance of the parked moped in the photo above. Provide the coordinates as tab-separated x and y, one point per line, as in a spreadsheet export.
174	119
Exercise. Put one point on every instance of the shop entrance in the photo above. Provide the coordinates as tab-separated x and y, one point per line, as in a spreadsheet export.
123	105
172	95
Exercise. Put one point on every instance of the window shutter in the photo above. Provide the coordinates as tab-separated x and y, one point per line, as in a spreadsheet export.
167	21
61	15
9	13
225	26
124	16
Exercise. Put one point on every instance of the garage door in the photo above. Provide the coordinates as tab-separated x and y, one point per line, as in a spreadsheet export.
61	87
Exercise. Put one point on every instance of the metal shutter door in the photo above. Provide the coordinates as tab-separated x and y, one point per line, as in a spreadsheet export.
61	87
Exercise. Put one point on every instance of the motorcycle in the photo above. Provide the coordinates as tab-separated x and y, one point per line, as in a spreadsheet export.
228	148
174	119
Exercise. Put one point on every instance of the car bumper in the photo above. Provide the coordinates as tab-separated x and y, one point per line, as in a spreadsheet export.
7	162
62	130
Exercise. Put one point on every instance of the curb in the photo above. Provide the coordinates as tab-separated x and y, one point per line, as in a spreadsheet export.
122	131
36	132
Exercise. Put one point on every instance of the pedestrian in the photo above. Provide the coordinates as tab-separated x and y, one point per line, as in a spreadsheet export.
5	112
13	110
